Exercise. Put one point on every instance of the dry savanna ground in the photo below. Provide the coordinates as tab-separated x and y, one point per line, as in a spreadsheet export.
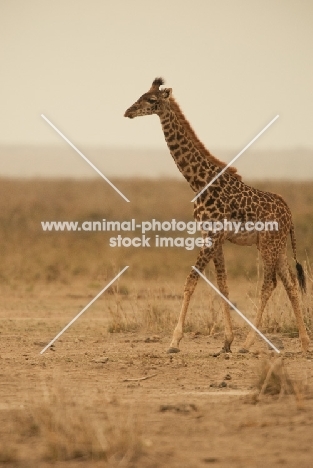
107	394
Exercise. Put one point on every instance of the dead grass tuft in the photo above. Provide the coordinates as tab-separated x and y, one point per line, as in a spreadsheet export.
274	380
156	310
63	431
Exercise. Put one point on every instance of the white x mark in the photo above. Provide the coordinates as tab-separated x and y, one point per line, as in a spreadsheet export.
84	157
84	309
235	158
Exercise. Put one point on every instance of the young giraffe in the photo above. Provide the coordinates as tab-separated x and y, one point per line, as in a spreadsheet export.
228	198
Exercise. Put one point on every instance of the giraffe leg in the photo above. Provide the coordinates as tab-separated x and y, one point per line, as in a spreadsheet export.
221	277
289	281
203	259
269	284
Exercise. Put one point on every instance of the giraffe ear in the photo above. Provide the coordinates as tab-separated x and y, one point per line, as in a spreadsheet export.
166	93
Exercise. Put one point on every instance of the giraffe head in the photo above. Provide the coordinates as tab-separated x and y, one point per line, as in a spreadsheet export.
152	102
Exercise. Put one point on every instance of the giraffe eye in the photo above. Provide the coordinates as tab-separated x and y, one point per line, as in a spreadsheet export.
152	100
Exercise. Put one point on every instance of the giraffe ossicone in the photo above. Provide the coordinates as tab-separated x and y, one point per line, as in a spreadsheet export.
227	198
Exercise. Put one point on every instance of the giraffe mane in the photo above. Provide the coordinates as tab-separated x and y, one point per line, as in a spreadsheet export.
198	144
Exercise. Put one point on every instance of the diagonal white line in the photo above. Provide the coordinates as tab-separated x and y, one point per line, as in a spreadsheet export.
237	310
235	158
82	311
84	157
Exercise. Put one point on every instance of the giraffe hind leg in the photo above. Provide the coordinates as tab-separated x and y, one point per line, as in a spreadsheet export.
289	281
269	284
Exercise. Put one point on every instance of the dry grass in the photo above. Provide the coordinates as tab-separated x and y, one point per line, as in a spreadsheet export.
60	429
31	255
274	380
154	308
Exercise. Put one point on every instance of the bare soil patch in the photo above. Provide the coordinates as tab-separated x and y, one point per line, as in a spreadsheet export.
107	394
119	400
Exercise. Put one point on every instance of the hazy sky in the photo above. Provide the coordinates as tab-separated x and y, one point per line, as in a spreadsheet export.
233	65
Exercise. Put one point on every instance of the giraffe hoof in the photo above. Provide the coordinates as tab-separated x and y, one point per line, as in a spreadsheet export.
243	351
173	350
305	344
222	351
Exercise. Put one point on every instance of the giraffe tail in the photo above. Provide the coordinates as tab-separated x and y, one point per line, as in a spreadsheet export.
299	268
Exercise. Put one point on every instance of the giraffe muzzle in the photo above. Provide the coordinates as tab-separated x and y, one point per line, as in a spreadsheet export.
129	114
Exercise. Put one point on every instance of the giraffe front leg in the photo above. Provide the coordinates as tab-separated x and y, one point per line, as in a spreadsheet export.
191	282
190	285
221	277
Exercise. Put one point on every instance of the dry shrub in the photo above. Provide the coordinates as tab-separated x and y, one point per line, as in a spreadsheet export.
121	318
155	309
274	380
63	431
157	318
67	433
121	322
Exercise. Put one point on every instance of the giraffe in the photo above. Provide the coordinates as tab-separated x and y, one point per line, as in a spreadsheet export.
228	198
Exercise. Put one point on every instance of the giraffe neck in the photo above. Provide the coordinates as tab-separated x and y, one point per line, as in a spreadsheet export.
187	151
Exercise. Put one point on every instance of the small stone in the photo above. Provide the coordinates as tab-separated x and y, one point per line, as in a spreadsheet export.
101	360
152	339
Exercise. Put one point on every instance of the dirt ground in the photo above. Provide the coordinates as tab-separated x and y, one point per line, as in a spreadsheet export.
85	403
